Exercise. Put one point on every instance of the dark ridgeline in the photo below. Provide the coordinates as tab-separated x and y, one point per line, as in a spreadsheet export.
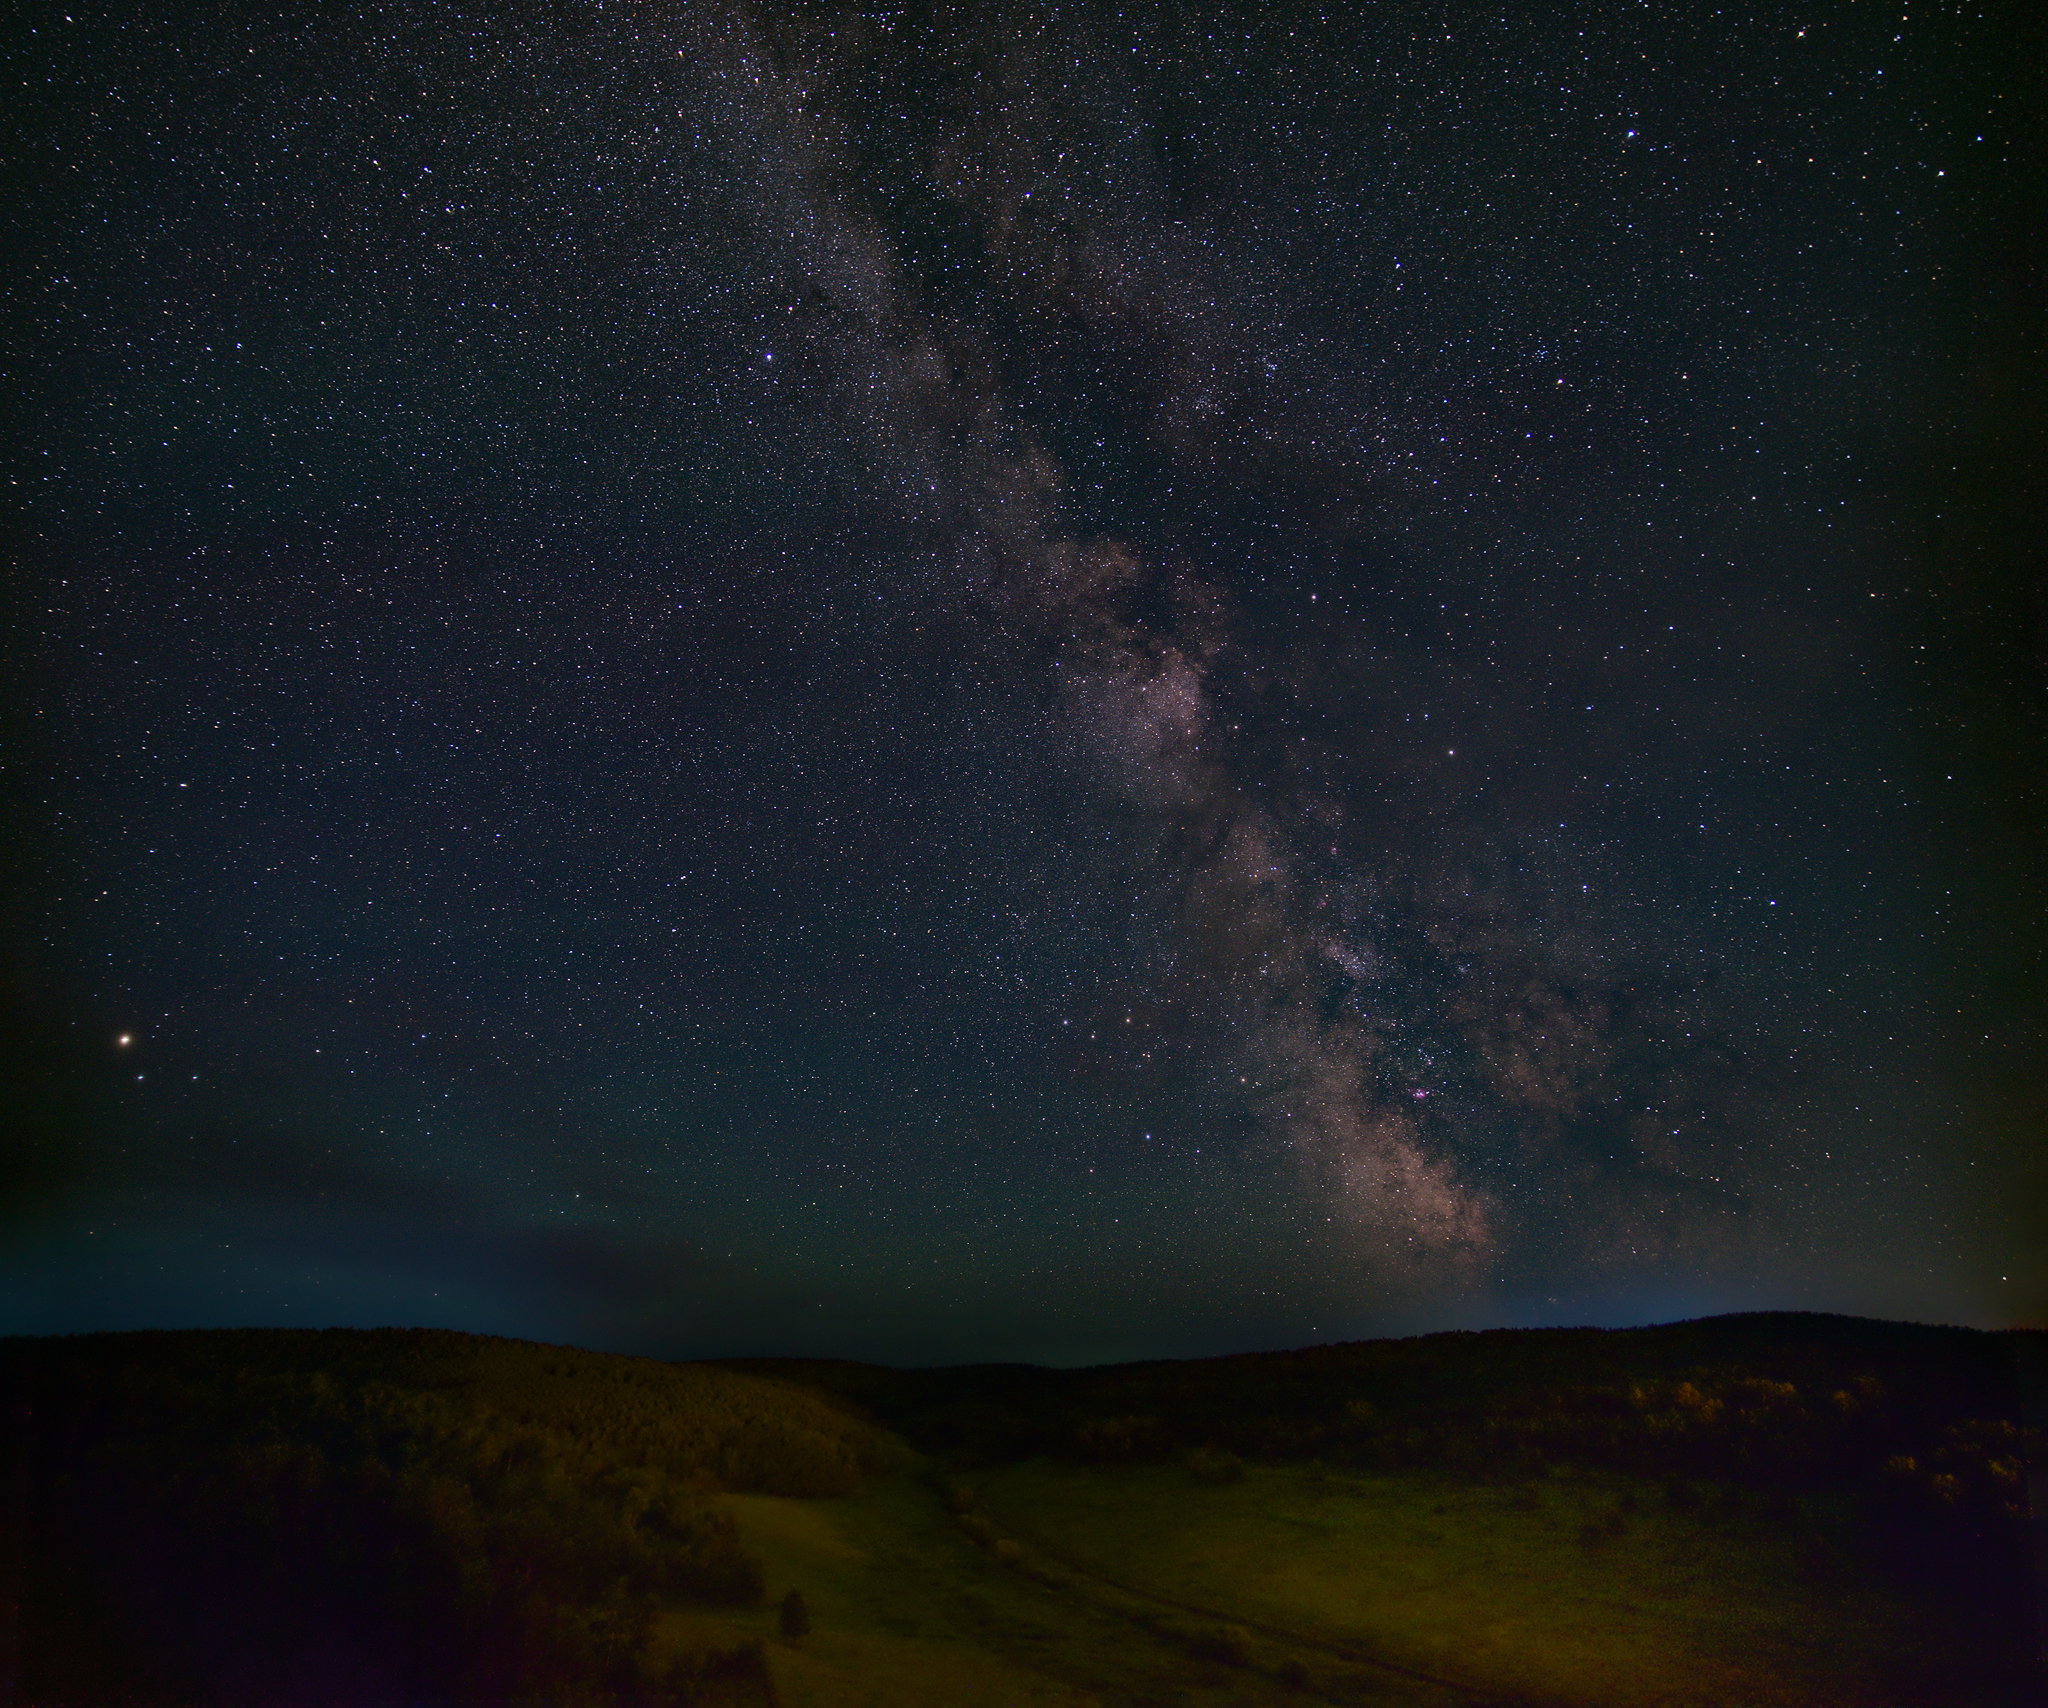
1788	1399
343	1516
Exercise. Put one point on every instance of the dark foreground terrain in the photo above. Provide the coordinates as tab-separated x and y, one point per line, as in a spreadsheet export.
1770	1509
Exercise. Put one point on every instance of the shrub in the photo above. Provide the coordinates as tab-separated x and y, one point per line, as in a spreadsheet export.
1007	1551
1294	1674
793	1620
1213	1469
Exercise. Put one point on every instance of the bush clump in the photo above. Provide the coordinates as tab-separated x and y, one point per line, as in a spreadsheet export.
1213	1469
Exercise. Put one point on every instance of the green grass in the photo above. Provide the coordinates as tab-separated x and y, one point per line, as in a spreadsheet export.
1549	1591
907	1610
1394	1589
903	1611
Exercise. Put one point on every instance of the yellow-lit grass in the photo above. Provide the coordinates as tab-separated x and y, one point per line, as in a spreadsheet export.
906	1610
1481	1584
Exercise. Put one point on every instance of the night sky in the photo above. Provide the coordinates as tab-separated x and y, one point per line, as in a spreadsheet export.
1002	683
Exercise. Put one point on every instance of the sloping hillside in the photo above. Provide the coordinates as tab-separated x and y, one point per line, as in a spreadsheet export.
345	1516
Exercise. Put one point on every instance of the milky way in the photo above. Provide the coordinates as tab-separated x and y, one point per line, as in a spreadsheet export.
1038	682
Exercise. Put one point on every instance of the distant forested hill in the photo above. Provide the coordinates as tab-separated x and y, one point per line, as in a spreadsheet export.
1795	1398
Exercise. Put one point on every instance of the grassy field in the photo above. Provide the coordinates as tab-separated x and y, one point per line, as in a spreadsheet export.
1585	1588
907	1611
1139	1585
341	1517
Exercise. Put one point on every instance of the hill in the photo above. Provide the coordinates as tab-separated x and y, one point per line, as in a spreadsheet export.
1776	1509
351	1516
1861	1388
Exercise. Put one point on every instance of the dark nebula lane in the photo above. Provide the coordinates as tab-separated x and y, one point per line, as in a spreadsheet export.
1019	682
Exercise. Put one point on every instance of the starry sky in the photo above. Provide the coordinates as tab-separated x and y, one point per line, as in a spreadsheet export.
1002	682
